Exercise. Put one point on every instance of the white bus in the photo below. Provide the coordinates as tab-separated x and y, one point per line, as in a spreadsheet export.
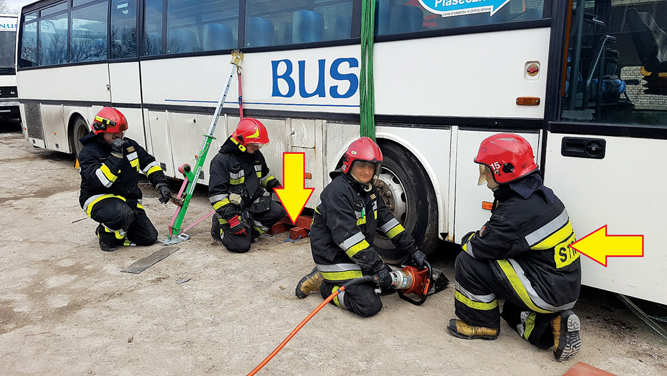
583	81
9	104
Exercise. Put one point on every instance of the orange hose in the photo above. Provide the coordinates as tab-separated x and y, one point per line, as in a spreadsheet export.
289	337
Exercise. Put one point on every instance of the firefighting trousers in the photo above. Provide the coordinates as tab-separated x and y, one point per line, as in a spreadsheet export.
478	288
360	299
256	224
123	220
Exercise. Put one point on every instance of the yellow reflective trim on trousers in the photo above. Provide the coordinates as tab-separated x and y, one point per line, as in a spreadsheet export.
335	299
153	169
518	286
317	211
476	305
140	206
356	248
395	231
341	276
220	204
529	325
105	170
555	238
90	206
115	233
237	181
361	221
261	232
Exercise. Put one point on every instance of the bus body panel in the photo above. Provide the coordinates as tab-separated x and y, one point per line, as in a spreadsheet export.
468	212
76	83
449	68
622	191
9	104
125	82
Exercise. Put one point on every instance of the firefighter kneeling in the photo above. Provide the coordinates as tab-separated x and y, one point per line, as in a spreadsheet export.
517	256
110	165
240	188
341	239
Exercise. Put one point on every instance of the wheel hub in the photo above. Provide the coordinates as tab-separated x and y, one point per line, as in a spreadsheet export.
392	192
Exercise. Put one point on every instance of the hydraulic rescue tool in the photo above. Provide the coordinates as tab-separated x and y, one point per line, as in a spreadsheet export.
410	279
191	175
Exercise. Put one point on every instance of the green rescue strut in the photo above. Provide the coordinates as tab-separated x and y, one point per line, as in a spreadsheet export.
190	178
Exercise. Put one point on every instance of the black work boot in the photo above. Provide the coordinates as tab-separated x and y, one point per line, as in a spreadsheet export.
311	282
105	246
215	227
565	328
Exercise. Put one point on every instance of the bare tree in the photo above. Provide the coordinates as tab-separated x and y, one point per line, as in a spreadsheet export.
6	9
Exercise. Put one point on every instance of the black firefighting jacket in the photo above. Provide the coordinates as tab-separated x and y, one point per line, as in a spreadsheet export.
235	173
527	241
104	175
344	226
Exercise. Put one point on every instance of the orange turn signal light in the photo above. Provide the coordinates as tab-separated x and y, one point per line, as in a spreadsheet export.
528	101
487	205
308	175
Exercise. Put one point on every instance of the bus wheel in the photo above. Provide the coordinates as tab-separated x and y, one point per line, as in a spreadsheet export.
79	129
408	193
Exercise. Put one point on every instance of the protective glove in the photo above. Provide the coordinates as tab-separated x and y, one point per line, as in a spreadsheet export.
383	278
165	193
273	185
236	226
419	259
118	147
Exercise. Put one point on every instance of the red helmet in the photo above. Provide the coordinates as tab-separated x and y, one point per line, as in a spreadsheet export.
362	149
509	156
250	131
108	120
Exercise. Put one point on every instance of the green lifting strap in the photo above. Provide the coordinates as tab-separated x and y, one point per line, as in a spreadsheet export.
366	91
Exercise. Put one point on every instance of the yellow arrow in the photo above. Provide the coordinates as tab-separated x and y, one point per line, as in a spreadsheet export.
598	245
294	195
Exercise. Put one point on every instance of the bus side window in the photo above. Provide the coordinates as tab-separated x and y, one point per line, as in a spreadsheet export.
259	32
284	33
217	37
382	17
308	26
181	41
338	27
405	19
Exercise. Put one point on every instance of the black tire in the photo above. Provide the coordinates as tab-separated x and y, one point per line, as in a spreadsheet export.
79	129
407	190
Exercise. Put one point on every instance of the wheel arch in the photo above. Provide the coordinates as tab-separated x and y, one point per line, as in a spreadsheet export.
411	148
72	117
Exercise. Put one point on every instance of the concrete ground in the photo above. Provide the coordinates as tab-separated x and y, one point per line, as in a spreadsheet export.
66	309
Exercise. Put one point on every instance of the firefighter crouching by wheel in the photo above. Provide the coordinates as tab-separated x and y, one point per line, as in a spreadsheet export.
521	254
238	188
341	237
110	166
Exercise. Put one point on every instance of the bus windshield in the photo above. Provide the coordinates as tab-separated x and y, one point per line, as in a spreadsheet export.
7	44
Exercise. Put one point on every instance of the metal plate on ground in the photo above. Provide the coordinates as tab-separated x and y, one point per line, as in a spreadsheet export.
146	262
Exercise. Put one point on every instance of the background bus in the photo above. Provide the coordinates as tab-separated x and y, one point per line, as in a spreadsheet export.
442	84
9	105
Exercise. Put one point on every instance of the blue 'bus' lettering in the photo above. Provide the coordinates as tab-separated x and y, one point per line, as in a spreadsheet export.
320	80
351	77
320	90
285	76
